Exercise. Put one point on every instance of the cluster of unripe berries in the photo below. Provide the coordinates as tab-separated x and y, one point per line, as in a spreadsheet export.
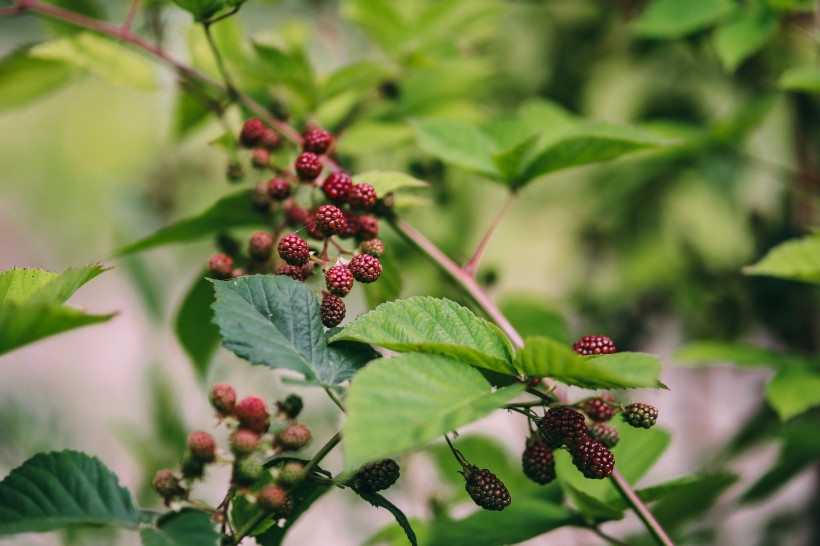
348	214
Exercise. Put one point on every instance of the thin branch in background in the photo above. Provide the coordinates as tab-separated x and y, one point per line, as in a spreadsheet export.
609	539
470	267
335	400
220	62
133	9
638	506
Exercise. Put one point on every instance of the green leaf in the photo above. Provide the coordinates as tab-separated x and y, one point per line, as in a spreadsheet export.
36	286
361	76
401	403
24	79
458	143
200	9
533	317
185	528
593	508
235	210
712	352
740	38
797	260
275	321
801	78
381	19
433	325
386	182
195	330
380	502
544	357
104	57
60	490
669	19
793	391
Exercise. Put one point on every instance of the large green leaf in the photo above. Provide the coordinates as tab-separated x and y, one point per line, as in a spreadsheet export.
793	391
801	78
544	357
37	286
667	19
713	352
24	79
433	325
275	321
458	143
797	260
59	490
740	38
401	403
185	528
195	330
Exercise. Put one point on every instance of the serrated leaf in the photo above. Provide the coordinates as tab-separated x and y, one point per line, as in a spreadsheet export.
742	37
715	352
797	260
433	325
37	286
24	79
275	321
669	19
61	490
401	403
379	501
185	528
389	181
194	328
200	9
793	391
544	357
801	78
458	143
232	211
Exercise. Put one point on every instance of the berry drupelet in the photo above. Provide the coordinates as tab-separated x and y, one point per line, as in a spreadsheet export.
336	187
362	196
294	250
220	266
365	268
317	141
593	459
330	220
600	409
308	166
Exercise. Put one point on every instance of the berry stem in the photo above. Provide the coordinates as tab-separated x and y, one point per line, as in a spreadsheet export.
458	455
470	267
609	539
325	449
335	400
220	62
638	506
133	9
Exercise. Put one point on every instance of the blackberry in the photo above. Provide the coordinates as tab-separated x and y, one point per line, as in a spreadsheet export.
373	247
339	280
270	139
294	272
537	461
376	476
640	415
252	131
365	268
246	471
290	407
336	187
295	215
330	220
317	141
167	485
234	172
252	413
562	425
604	433
362	196
485	488
594	345
593	459
295	437
368	227
308	166
202	446
332	310
275	499
260	158
220	266
243	442
291	473
600	408
351	225
223	399
260	197
278	189
294	250
192	468
312	228
260	246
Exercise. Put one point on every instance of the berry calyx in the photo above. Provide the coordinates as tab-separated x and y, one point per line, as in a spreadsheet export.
260	247
336	187
202	446
295	437
275	499
220	266
290	407
562	425
317	141
260	158
365	268
252	413
252	131
362	196
594	345
373	247
593	459
485	488
538	462
339	280
330	220
167	485
641	415
278	189
376	476
332	310
291	473
223	399
308	166
368	227
601	408
292	271
604	433
246	471
243	442
294	250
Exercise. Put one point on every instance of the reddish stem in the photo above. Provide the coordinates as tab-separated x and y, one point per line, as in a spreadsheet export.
133	9
470	266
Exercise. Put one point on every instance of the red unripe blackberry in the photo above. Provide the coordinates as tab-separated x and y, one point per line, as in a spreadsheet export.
332	310
293	249
376	476
275	499
260	158
562	425
594	345
294	272
365	268
373	247
317	141
270	139
593	459
362	196
295	437
278	189
600	409
339	280
640	415
368	227
604	433
308	166
290	407
167	485
260	197
295	215
351	225
252	413
252	132
243	442
260	247
336	187
220	266
202	446
330	220
485	488
223	399
246	471
538	462
291	473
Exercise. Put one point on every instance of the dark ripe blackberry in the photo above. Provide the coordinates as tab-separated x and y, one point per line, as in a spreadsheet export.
294	272
252	132
593	459
600	409
365	268
537	461
641	415
368	227
317	141
308	166
294	250
260	197
376	476
336	187
278	189
351	225
220	266
486	489
295	215
362	196
330	220
563	425
290	407
260	247
332	310
604	433
270	139
260	158
374	247
339	280
594	345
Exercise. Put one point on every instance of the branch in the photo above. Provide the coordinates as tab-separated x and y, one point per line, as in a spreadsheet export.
470	266
132	14
638	506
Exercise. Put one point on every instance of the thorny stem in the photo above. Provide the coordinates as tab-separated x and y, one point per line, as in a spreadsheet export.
470	267
638	506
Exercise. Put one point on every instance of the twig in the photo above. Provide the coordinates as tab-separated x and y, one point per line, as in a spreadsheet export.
335	400
316	459
610	539
470	267
133	9
638	506
220	63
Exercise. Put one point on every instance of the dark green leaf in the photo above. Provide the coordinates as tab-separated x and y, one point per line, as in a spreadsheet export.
667	19
801	78
380	502
59	490
462	145
793	391
743	36
185	528
25	79
591	507
194	326
797	260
